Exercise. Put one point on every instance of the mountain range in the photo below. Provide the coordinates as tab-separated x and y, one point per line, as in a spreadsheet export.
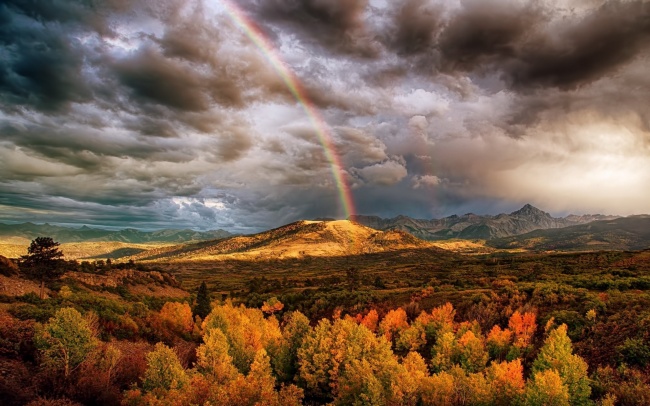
625	233
61	234
472	226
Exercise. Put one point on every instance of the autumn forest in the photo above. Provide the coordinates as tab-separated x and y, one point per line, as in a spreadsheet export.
498	329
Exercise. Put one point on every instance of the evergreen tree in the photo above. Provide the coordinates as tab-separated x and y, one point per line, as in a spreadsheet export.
203	307
43	260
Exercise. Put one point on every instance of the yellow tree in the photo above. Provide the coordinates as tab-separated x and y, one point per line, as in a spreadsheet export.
470	388
444	353
546	389
472	353
438	389
438	322
247	331
498	342
407	388
412	338
285	360
556	354
315	359
336	357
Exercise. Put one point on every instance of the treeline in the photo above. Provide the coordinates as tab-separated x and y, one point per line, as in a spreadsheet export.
248	356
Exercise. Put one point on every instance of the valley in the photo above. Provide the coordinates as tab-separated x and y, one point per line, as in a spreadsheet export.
388	286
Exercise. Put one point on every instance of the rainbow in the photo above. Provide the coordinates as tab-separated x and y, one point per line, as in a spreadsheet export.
257	36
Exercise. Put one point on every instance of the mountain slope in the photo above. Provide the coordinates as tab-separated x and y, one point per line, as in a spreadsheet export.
626	233
30	231
301	239
472	226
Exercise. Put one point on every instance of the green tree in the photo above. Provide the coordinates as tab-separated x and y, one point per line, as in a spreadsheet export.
285	356
43	260
164	370
65	341
203	306
213	358
556	354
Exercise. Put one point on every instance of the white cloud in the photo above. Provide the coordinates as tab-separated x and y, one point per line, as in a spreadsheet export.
424	181
385	173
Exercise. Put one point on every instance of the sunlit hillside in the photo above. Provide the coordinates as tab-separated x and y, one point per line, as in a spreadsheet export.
302	239
16	247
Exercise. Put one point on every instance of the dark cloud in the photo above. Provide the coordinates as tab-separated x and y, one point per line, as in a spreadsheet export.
417	25
530	44
153	78
167	113
586	49
339	25
485	32
41	66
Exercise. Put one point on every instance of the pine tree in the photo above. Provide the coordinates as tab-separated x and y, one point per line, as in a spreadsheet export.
43	259
203	306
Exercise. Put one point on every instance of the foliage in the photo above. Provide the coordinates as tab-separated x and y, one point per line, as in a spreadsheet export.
177	317
547	389
475	341
65	341
336	357
164	371
634	352
246	330
213	358
556	355
273	305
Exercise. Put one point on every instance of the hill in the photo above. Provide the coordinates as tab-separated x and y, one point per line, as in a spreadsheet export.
302	239
29	231
627	233
475	227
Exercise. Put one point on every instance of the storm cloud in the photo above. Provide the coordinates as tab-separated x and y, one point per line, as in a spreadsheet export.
167	114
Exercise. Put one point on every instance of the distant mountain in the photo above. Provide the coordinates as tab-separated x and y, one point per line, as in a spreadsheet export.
472	226
301	239
625	233
85	234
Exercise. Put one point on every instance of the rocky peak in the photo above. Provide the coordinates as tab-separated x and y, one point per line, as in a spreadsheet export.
530	211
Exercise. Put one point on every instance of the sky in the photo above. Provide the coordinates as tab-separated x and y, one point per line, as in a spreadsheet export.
168	114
